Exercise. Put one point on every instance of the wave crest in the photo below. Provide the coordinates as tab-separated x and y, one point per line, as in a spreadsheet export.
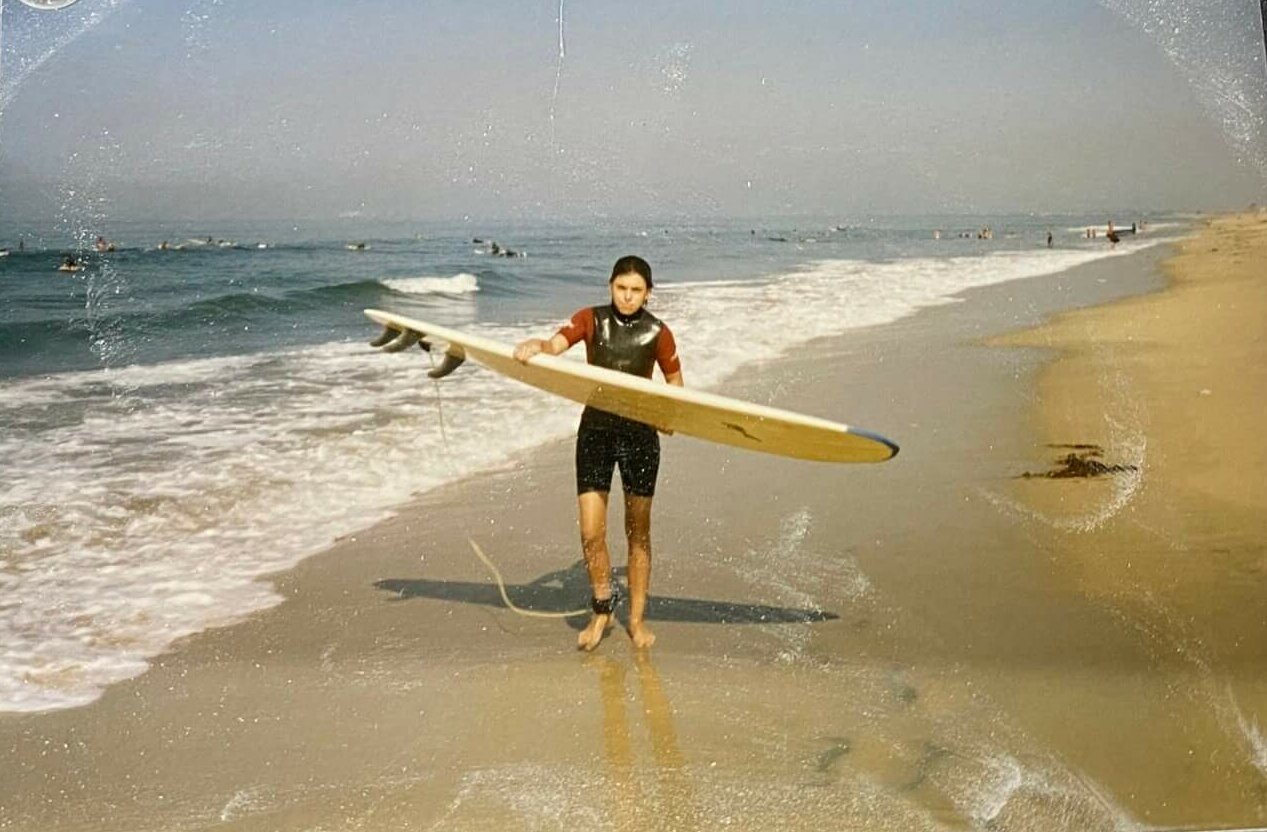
462	283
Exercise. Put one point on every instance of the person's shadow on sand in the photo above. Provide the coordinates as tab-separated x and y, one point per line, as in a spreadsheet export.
566	589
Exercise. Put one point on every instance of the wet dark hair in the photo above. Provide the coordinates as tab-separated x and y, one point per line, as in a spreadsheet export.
632	264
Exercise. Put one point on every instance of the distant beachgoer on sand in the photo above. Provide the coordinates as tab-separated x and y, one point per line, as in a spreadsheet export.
1049	239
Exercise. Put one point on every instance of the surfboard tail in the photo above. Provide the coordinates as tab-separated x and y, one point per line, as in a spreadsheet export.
387	337
450	363
395	339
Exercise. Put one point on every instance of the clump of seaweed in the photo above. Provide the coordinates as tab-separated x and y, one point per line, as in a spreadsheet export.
1083	461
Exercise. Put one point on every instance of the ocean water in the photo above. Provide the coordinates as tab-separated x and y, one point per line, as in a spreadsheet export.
175	424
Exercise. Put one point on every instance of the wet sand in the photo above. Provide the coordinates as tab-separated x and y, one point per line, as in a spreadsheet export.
905	646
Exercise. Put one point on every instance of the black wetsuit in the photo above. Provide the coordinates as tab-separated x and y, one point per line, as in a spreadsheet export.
630	344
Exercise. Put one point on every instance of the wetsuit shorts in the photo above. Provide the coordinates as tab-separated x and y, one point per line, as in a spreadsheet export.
633	447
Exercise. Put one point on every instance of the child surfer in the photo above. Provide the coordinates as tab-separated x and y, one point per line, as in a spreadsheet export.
622	336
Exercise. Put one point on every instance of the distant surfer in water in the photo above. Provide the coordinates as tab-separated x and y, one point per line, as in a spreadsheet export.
621	335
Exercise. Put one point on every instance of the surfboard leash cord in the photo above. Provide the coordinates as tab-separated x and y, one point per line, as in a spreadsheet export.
492	567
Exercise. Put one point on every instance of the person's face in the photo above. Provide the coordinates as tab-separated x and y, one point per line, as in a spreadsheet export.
629	293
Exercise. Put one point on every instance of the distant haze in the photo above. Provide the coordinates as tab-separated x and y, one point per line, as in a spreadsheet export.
206	109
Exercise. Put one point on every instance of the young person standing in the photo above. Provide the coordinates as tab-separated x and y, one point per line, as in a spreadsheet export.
621	335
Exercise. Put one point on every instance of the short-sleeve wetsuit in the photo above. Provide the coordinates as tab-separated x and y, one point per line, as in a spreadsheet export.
632	344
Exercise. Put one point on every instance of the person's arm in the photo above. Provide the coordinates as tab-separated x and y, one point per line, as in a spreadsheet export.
674	378
579	328
556	345
666	357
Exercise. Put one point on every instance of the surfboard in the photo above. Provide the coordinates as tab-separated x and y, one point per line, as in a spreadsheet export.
703	415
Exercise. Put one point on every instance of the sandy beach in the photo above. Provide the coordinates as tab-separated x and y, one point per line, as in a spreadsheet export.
1169	388
937	642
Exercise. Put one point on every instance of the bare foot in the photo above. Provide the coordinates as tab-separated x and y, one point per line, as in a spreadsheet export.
641	635
593	634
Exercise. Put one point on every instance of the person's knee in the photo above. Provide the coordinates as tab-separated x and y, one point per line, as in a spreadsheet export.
638	531
593	538
638	506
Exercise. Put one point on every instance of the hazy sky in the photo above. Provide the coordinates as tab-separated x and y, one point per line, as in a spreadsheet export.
208	109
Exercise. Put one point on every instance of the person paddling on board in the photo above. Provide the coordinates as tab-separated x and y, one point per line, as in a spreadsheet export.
624	336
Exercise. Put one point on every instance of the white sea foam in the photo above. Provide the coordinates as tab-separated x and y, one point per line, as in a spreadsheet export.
1252	734
153	512
242	804
776	568
459	284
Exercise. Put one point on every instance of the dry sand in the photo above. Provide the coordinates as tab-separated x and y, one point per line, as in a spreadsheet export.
917	645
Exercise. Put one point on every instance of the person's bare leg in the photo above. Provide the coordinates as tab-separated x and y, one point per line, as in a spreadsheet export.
638	534
593	510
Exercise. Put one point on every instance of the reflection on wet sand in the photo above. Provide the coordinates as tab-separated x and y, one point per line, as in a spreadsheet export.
672	803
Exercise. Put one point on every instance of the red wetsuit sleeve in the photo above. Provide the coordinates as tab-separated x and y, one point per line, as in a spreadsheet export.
666	353
579	328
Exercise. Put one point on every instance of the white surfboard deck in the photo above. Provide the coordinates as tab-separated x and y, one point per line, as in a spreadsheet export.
681	410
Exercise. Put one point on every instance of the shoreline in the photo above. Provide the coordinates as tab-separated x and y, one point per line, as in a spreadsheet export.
392	690
218	456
